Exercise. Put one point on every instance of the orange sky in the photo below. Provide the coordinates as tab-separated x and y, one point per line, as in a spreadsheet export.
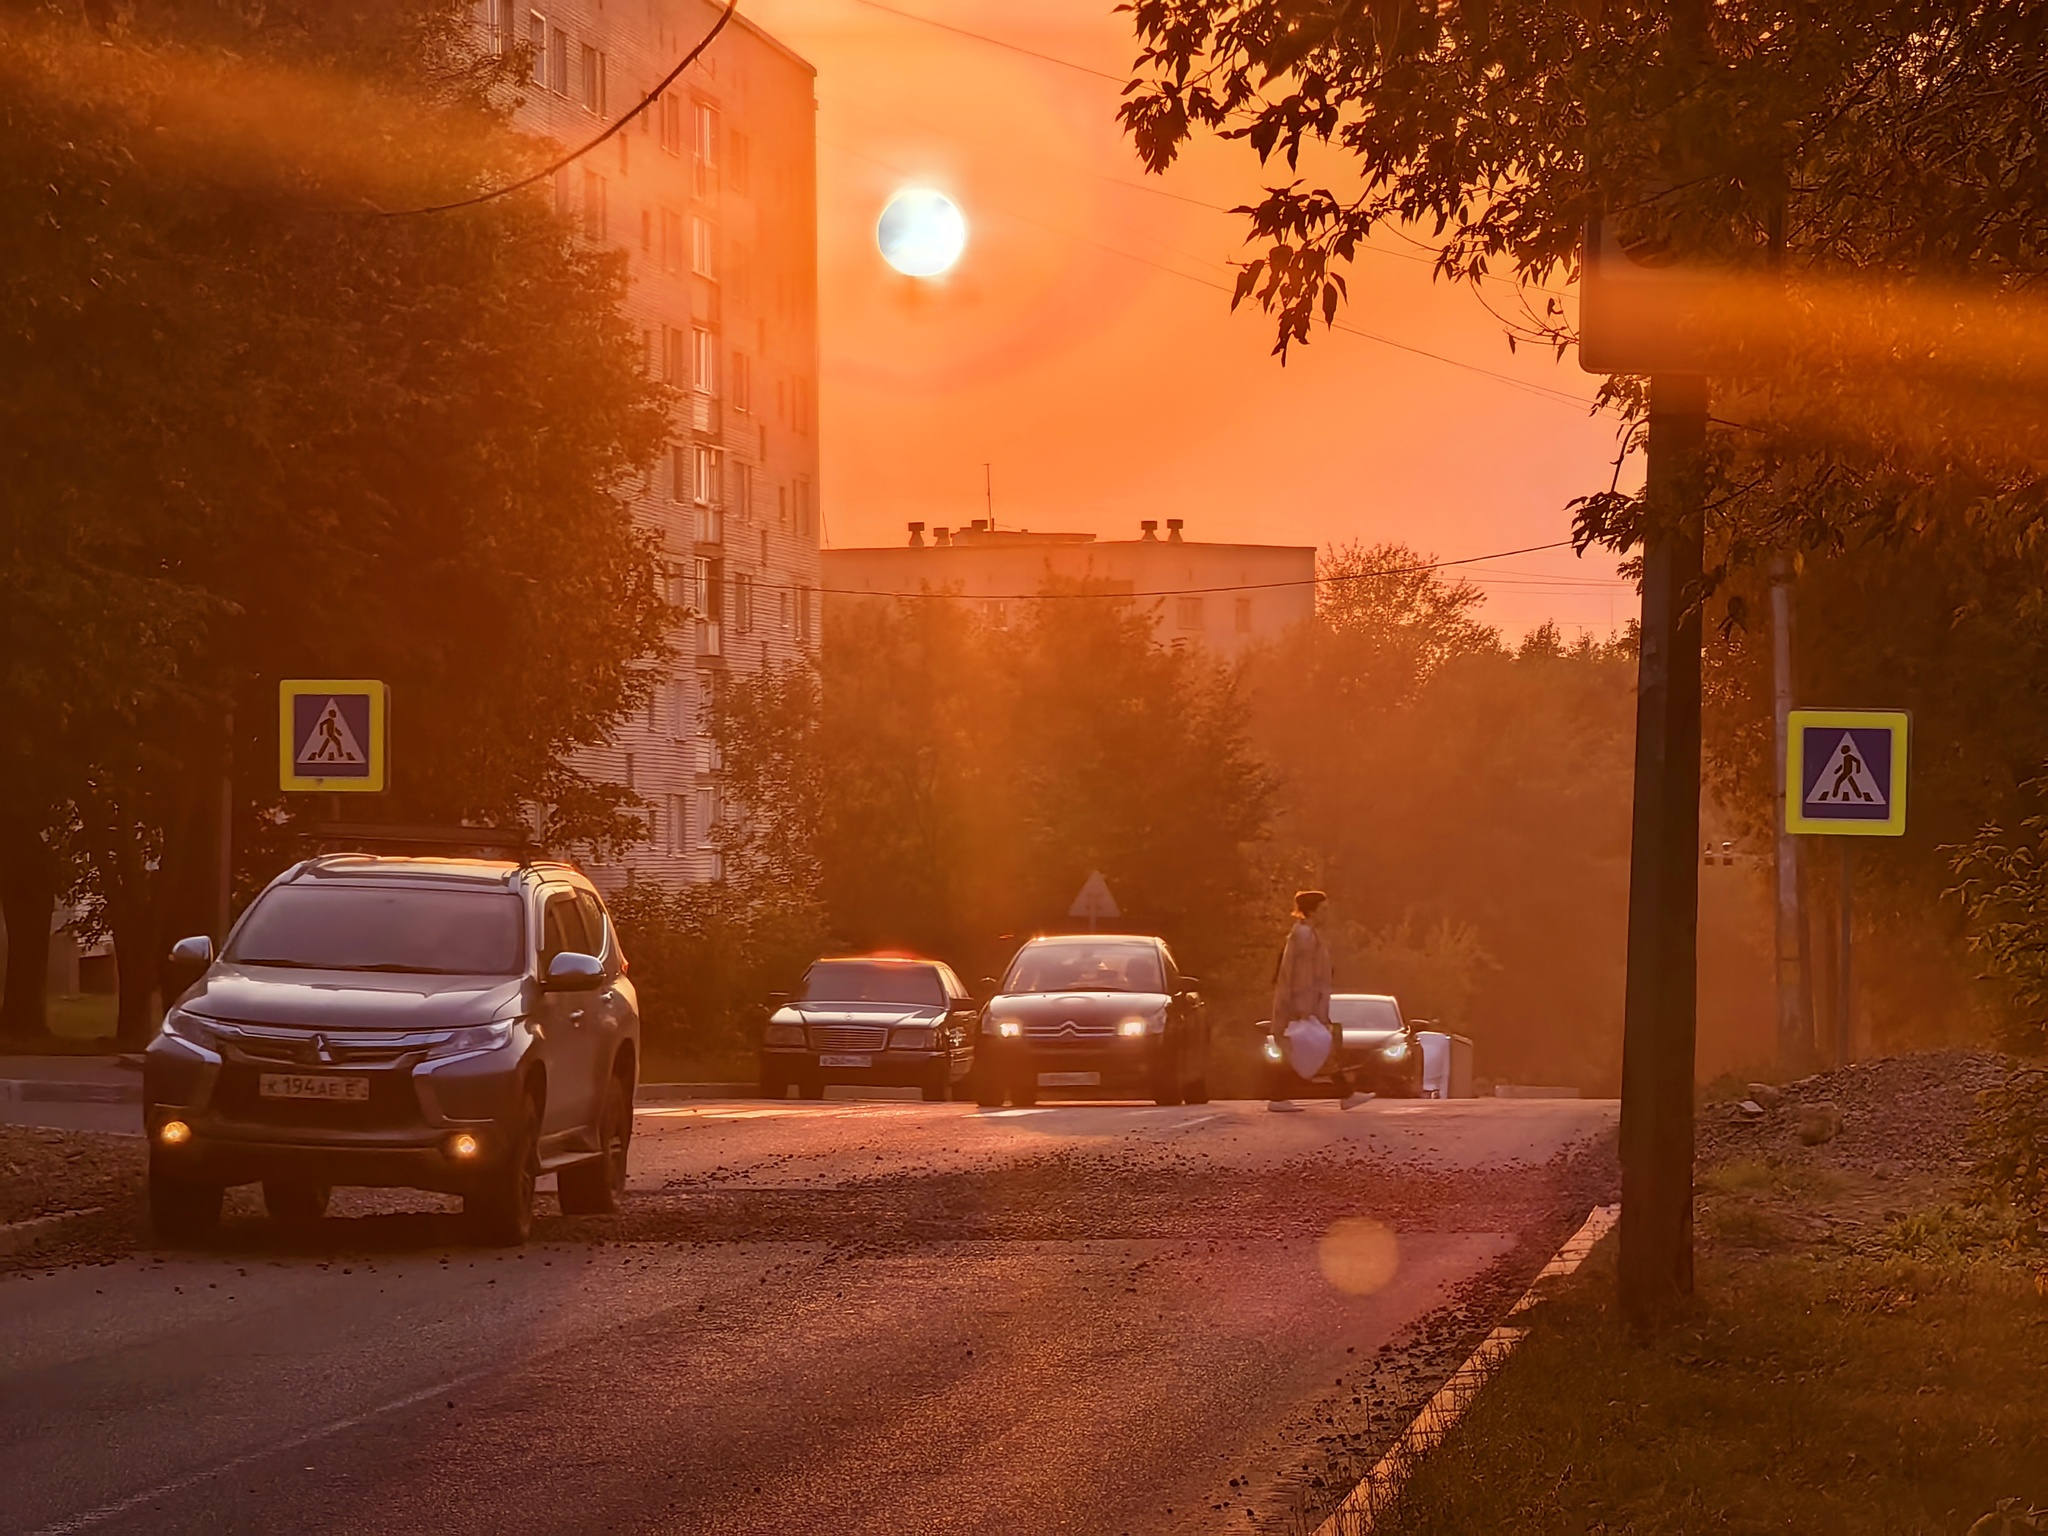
1081	349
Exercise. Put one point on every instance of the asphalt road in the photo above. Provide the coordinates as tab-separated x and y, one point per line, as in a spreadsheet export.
845	1317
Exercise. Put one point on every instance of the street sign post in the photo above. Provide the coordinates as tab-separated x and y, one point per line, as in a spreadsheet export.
1094	903
333	736
1845	776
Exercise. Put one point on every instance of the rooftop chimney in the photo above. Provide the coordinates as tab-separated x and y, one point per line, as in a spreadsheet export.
943	537
917	535
1173	528
981	525
1149	530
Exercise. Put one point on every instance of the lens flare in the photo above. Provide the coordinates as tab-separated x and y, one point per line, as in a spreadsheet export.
1359	1255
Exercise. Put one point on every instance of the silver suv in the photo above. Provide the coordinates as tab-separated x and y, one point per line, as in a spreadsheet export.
447	1024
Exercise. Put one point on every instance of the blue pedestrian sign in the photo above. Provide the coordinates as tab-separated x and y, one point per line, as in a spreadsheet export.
1845	772
333	735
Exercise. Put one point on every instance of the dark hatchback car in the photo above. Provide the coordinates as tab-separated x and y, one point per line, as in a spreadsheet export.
1380	1049
876	1020
1108	1012
445	1024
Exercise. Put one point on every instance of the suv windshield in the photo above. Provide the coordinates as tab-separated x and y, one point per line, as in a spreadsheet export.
873	981
384	928
1081	966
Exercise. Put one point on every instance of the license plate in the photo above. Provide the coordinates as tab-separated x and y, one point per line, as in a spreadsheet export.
314	1085
846	1061
1070	1079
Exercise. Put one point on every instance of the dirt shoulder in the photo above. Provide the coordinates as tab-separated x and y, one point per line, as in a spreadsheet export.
1864	1352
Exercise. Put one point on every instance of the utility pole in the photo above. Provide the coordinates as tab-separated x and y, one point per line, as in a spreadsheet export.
1661	1015
1795	1025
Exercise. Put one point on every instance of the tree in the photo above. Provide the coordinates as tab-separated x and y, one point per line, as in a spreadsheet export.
254	430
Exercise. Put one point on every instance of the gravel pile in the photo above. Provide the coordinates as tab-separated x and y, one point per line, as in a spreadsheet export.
1900	1116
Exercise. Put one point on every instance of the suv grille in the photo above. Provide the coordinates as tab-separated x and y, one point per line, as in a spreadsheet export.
849	1037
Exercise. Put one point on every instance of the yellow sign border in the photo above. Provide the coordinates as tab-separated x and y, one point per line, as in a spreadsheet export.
377	747
1797	723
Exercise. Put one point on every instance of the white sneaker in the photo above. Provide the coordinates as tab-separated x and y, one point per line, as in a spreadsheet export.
1284	1107
1353	1100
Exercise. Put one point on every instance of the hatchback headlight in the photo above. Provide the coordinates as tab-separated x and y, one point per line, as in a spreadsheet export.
1009	1029
783	1035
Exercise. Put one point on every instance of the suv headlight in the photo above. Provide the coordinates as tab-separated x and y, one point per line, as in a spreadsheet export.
783	1034
474	1039
189	1028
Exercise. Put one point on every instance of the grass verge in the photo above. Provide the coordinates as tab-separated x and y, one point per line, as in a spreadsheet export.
1853	1361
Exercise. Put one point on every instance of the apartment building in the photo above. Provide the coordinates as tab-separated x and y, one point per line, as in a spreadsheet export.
1223	597
711	192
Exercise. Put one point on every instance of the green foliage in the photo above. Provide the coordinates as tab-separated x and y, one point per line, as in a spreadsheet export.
976	774
2009	1140
704	958
251	429
2003	887
1435	974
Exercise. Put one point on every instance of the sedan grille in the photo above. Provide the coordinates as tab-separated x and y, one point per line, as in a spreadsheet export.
849	1037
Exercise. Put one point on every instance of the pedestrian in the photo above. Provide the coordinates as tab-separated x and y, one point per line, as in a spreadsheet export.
1301	990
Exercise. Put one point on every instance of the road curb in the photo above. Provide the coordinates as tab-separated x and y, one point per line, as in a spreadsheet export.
17	1235
1376	1492
36	1090
668	1093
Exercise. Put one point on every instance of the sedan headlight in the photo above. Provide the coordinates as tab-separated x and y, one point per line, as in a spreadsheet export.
1272	1049
914	1037
783	1035
475	1038
1396	1048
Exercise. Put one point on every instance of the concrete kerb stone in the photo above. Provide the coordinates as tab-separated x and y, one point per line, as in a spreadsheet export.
1378	1489
18	1235
668	1093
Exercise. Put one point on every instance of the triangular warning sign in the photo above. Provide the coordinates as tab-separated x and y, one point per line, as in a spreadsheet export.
1094	901
1845	779
331	743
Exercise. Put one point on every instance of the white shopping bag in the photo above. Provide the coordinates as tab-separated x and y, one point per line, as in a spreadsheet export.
1308	1046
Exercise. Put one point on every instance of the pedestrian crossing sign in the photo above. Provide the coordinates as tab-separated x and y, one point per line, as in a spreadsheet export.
332	735
1845	772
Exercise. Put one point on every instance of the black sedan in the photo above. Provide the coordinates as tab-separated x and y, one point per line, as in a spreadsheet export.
1378	1050
1110	1012
871	1020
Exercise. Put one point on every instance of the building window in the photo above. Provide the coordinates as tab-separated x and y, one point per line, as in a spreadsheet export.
674	360
564	196
647	229
710	471
782	506
679	473
707	814
803	615
592	81
704	149
703	247
1244	615
537	41
742	382
743	604
806	511
741	486
1188	612
672	125
704	359
737	158
595	217
671	240
558	61
680	725
678	823
631	782
764	549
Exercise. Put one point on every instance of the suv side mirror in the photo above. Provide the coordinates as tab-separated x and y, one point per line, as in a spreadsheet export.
196	952
1190	983
990	986
571	972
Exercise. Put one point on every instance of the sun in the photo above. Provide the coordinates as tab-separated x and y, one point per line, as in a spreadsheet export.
921	232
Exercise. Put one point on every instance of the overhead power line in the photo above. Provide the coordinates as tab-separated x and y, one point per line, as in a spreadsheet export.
573	156
1121	597
996	42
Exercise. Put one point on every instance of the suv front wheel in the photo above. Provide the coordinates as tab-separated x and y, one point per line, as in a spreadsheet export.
596	1186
